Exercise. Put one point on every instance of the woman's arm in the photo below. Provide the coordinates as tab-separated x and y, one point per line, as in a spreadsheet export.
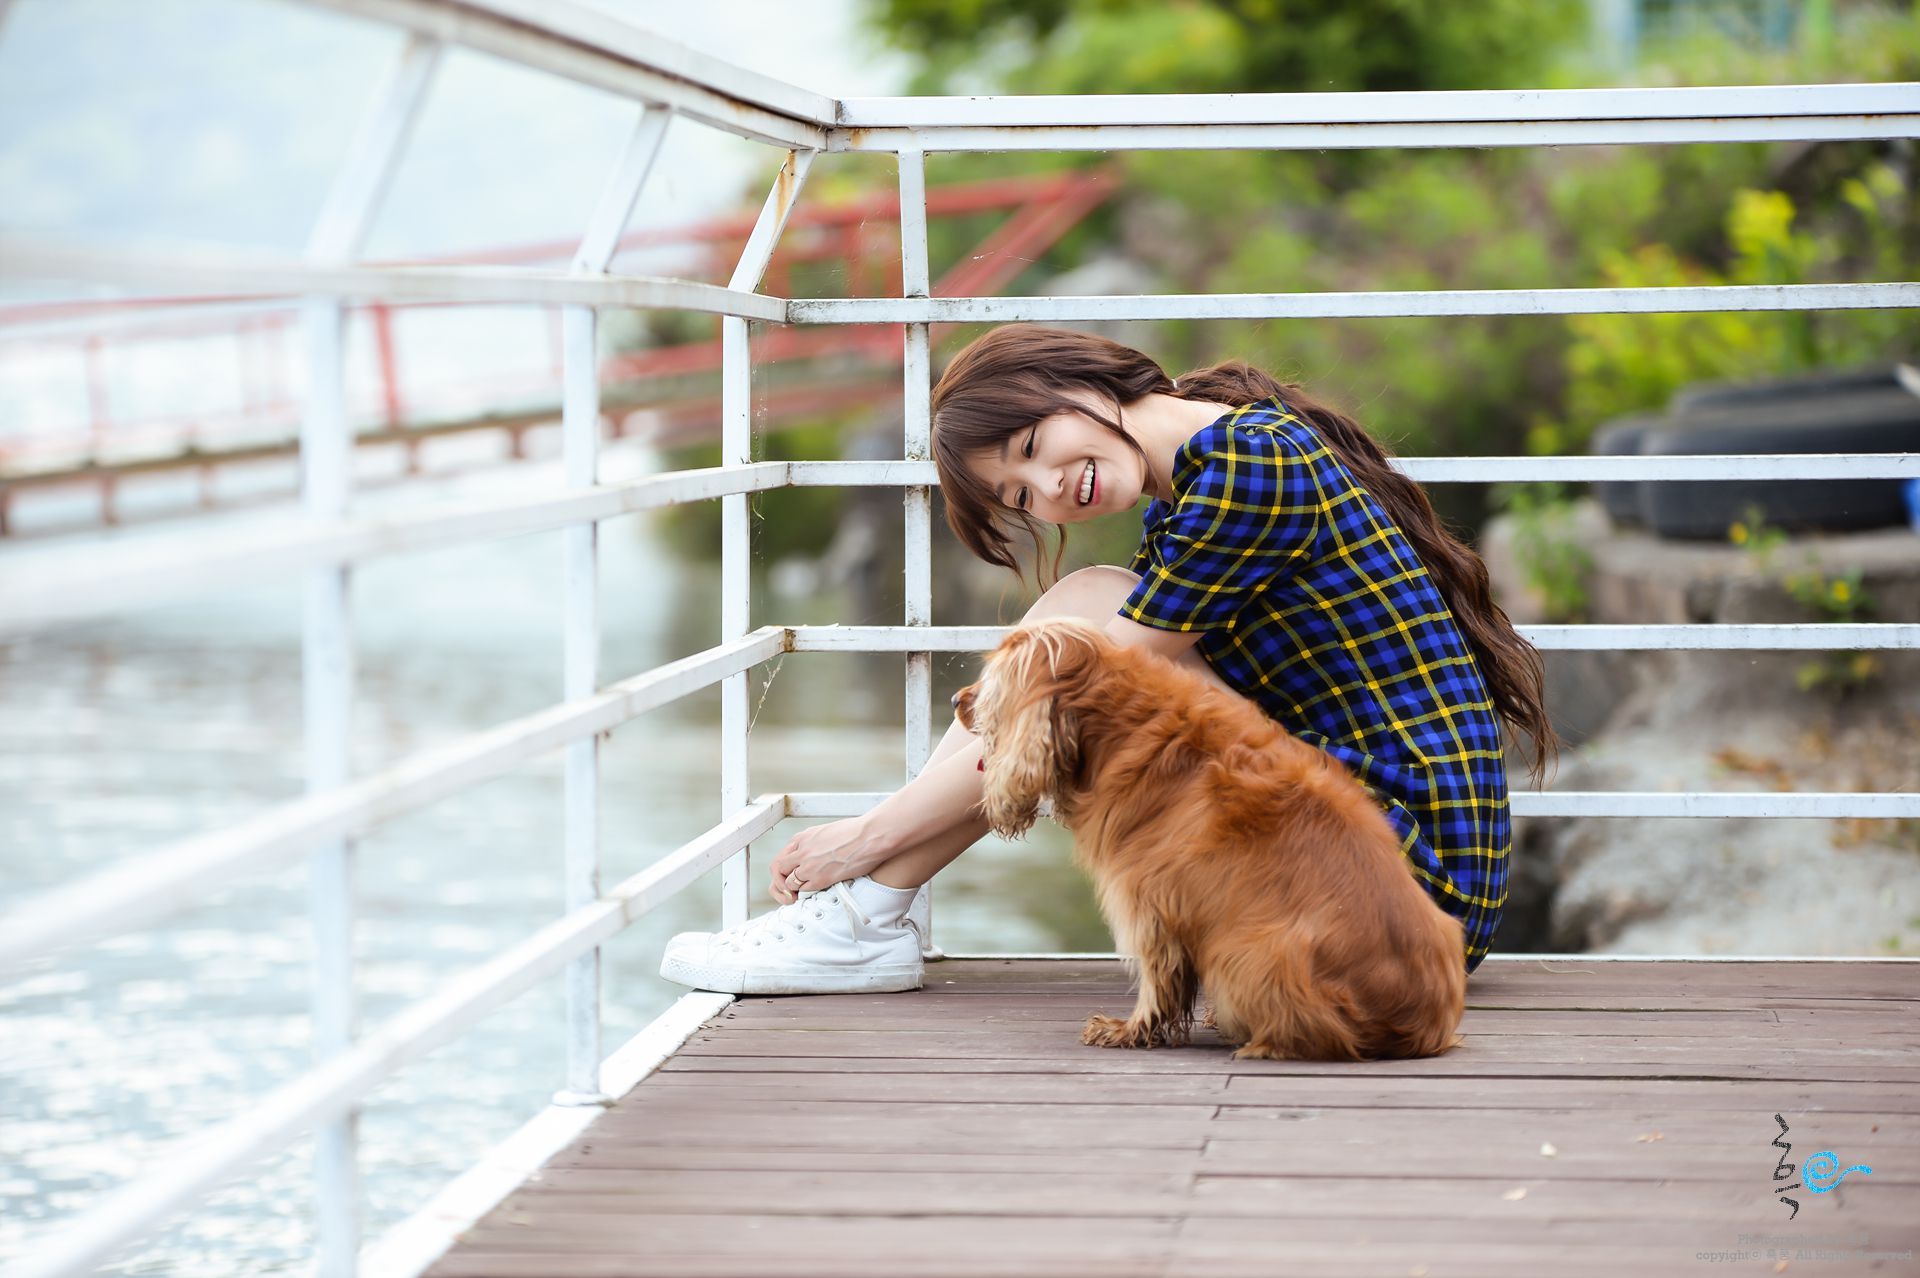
927	815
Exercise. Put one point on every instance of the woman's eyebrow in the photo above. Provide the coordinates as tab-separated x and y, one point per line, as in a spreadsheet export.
1003	461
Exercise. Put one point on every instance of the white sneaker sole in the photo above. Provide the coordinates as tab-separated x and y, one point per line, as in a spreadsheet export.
873	979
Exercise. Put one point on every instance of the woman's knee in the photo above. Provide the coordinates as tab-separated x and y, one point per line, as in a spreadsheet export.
1095	592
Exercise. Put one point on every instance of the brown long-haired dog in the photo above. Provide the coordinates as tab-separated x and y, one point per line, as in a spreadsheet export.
1225	854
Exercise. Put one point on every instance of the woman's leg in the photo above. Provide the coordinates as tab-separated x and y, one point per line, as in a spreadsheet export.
1095	593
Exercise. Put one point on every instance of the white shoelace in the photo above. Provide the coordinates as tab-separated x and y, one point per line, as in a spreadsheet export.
773	925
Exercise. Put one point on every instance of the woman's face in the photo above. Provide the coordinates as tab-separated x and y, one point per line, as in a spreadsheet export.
1047	468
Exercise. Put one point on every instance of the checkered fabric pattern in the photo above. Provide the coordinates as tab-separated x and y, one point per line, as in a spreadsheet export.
1313	602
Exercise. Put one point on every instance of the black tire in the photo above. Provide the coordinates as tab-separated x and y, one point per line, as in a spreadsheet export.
1710	396
1617	438
1870	421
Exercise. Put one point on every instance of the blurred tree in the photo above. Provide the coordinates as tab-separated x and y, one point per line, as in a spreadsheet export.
1224	46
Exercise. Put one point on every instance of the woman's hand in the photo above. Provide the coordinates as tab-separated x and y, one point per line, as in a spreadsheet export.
822	855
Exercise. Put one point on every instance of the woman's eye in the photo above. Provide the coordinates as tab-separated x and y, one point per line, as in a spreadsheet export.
1026	451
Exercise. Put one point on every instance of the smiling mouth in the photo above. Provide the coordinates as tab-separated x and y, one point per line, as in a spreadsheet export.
1087	481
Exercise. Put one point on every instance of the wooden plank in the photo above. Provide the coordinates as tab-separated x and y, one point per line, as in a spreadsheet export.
643	1155
921	1135
1324	1090
1212	1062
1757	1096
1059	1019
879	1089
904	1192
1624	1127
1252	1256
1389	1161
1892	1051
640	1114
671	1243
1339	1228
1866	978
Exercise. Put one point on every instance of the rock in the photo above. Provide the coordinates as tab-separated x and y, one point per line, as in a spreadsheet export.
1719	720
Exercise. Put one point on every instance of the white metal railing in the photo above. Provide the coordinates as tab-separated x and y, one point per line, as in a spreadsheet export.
596	49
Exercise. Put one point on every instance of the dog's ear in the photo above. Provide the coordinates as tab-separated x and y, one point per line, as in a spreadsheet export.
1020	767
1072	646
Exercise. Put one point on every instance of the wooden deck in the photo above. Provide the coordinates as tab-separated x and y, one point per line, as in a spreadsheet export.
1603	1117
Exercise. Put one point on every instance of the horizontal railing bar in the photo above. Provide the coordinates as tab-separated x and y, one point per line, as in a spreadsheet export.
1486	469
1523	106
43	255
180	875
1525	956
1871	804
1728	636
1422	302
1878	805
1725	636
333	1086
59	589
592	47
1661	467
234	272
36	595
1355	137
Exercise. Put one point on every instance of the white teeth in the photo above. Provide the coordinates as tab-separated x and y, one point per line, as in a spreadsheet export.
1086	484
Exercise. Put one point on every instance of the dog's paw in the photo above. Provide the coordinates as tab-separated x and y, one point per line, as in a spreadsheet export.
1107	1031
1111	1031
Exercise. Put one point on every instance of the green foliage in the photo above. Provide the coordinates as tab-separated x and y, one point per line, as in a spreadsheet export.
1836	598
1547	545
1619	363
1150	46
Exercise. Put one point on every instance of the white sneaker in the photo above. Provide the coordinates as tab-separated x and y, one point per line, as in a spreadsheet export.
823	943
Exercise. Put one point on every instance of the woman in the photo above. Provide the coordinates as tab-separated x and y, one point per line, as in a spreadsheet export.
1283	558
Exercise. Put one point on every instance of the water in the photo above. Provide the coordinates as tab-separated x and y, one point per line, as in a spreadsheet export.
119	735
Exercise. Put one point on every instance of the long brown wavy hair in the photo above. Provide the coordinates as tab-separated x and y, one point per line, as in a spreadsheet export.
1017	374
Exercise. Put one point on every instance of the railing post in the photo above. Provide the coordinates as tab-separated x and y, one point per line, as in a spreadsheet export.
916	392
580	445
326	478
326	461
736	449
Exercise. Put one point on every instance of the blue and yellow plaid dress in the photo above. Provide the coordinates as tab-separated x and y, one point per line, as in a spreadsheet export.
1315	606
